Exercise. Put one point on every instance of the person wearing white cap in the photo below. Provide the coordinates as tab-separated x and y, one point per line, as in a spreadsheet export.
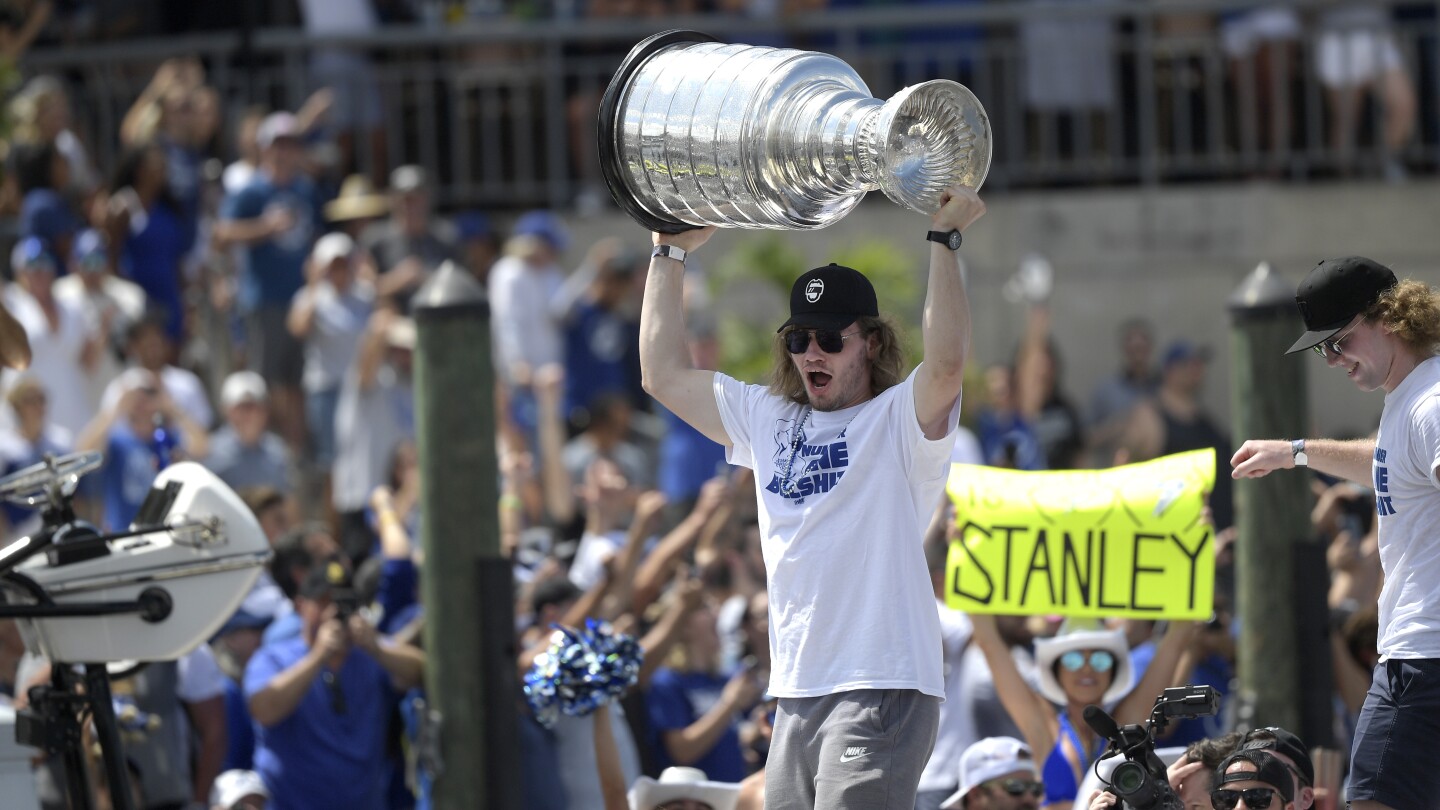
242	451
997	773
1082	665
239	790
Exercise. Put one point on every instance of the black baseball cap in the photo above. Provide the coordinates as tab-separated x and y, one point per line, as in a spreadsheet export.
327	577
1278	739
1334	293
1268	769
831	297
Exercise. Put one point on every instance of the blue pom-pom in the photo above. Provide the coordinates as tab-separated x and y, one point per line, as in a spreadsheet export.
581	671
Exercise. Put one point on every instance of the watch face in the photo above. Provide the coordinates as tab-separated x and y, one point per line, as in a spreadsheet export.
954	240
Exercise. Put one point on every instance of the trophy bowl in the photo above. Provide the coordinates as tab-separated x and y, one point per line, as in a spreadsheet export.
696	132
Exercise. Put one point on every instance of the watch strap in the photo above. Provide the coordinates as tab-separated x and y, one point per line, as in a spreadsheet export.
669	252
950	239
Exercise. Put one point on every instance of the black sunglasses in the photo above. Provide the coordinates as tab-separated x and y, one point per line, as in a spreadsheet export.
830	341
1225	799
1019	787
1325	348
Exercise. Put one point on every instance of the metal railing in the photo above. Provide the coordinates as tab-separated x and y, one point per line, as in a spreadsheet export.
1103	92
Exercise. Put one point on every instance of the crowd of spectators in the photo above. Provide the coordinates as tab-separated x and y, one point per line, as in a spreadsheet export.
248	309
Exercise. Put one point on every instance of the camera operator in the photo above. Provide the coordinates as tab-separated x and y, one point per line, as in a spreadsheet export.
322	700
1248	779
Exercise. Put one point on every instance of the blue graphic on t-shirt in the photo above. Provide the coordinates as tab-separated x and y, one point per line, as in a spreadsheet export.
803	469
1383	504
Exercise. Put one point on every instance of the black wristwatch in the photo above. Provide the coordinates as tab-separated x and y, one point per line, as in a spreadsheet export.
950	239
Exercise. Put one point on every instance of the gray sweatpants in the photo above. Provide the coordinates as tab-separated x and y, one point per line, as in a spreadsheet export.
858	750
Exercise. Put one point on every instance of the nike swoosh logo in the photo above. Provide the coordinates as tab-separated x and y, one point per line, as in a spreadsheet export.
847	757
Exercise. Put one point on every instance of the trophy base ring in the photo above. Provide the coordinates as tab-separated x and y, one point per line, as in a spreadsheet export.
610	160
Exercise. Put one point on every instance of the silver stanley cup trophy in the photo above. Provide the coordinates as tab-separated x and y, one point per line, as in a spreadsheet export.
696	132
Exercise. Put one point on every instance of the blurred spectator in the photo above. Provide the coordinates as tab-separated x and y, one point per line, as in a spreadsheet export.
375	411
147	227
43	174
322	701
64	347
42	115
140	434
599	308
997	773
1357	54
27	443
357	206
276	218
242	452
233	646
693	706
329	315
147	346
524	285
179	759
956	730
1175	421
606	436
20	24
1069	83
1115	397
110	304
1007	438
240	172
1260	44
239	790
411	244
479	244
166	113
347	71
680	787
689	458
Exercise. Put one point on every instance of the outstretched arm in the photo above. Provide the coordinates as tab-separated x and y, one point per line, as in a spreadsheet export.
945	325
665	368
1031	712
1345	459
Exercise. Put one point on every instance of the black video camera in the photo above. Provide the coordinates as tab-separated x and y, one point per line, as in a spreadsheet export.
1140	781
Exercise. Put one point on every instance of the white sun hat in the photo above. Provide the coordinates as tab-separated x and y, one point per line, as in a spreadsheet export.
682	783
1084	634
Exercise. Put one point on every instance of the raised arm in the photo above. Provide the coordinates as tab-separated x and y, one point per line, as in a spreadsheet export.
945	324
1031	712
665	368
1137	705
1343	459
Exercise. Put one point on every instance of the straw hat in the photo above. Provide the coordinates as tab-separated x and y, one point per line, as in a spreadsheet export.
357	200
1081	634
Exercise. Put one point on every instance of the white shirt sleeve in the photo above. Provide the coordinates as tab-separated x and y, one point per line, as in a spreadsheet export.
199	677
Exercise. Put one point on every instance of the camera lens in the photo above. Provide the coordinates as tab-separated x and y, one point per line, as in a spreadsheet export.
1127	778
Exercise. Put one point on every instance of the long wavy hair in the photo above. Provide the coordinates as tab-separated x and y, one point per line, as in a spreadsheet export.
887	368
1410	311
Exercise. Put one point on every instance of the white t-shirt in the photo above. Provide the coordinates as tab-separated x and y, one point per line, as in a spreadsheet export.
55	357
522	321
1407	501
957	728
851	604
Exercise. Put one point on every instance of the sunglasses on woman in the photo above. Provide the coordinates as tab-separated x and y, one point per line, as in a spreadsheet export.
830	341
1019	787
1224	799
1100	660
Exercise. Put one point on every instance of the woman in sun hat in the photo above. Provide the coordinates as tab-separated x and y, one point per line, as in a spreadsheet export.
1083	664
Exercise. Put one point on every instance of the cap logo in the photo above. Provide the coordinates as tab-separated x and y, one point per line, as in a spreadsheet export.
814	290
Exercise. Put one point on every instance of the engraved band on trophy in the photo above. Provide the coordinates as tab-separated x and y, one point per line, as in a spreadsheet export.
696	132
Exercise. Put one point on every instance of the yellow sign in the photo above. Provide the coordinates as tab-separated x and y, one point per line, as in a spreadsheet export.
1128	541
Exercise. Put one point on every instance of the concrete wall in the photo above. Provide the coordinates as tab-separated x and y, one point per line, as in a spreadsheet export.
1171	255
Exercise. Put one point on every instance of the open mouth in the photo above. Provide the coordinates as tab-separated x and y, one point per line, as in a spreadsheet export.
819	380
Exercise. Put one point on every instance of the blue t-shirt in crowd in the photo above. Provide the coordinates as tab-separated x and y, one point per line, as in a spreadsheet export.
130	469
688	458
678	699
239	730
275	268
598	345
284	628
1007	440
325	754
151	258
